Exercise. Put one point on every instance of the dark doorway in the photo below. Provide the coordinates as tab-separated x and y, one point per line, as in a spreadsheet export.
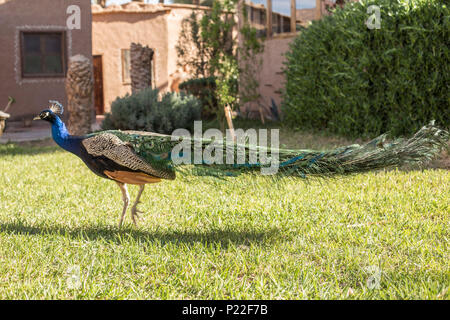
98	85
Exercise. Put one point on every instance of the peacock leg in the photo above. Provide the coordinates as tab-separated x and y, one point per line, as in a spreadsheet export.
134	210
125	198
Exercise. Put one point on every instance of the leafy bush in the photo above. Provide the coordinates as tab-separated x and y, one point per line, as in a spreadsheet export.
207	47
203	89
144	111
353	80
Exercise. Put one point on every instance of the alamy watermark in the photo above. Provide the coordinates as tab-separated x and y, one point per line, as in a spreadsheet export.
73	280
247	148
374	279
374	20
74	19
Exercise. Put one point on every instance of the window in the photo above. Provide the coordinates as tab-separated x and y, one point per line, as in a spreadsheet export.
126	66
43	54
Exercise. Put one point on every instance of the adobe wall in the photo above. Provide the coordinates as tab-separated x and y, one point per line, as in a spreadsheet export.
114	31
154	25
32	94
271	78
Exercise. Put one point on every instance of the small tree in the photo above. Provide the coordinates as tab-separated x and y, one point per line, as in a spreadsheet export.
250	62
207	46
204	40
192	49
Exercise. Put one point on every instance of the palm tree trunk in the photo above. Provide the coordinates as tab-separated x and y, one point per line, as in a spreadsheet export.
79	87
141	72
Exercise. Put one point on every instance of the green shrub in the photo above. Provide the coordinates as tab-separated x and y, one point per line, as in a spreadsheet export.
355	81
144	111
203	89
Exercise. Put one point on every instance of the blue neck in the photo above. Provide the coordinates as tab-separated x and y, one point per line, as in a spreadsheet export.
64	139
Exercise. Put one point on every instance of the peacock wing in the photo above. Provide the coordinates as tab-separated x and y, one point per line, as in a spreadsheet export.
122	152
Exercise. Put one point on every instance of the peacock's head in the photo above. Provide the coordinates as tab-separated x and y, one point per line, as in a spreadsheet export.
51	114
47	115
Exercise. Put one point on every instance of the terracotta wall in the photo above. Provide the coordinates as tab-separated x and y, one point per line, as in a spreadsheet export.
174	23
271	78
112	32
116	28
47	15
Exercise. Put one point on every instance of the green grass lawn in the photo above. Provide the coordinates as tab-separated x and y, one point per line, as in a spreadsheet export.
377	235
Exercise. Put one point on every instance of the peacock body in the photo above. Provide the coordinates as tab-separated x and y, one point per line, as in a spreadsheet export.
140	158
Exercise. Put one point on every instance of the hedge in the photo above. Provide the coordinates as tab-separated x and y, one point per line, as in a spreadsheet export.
351	80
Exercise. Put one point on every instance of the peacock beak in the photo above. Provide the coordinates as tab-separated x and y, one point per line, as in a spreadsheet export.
37	118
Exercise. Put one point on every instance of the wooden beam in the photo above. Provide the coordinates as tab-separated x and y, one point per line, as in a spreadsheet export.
241	19
293	16
240	7
318	9
269	19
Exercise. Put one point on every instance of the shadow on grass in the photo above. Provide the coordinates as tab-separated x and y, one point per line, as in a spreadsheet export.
223	237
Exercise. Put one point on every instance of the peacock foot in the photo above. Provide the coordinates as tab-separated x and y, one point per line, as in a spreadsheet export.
134	213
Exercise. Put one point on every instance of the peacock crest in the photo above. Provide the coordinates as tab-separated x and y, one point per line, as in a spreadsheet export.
56	107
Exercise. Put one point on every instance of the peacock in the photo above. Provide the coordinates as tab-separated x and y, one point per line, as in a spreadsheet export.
140	158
